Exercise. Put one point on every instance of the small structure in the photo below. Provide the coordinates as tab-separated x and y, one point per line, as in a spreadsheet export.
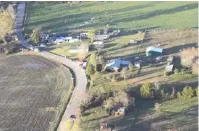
83	35
116	64
105	127
133	42
61	40
120	111
169	68
153	51
101	37
43	36
98	44
77	49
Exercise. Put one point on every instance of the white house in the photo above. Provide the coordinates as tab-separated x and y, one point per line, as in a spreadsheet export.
62	40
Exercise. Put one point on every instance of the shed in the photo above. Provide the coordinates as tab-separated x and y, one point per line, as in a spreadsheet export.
169	68
153	51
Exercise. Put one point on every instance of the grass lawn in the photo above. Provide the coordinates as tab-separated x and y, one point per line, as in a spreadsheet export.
62	50
60	18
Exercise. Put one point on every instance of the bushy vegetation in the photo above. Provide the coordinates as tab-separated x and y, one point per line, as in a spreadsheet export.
90	69
187	93
124	72
131	67
35	36
180	76
146	91
119	99
7	23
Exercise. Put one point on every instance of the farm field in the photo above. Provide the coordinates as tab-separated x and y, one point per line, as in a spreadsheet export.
34	92
65	17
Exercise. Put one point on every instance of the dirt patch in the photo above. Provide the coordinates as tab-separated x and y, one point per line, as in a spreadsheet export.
33	92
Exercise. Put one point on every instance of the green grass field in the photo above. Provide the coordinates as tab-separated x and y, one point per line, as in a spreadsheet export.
59	18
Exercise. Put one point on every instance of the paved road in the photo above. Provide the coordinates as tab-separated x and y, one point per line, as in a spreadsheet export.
80	77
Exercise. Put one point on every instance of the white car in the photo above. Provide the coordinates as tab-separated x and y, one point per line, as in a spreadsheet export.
36	49
31	48
42	45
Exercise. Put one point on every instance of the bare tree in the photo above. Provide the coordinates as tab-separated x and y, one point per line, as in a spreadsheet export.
187	56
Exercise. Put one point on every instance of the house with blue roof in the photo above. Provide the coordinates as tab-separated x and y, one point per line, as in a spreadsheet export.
116	64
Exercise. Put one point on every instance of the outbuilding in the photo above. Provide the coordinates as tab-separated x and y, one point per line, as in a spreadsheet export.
153	51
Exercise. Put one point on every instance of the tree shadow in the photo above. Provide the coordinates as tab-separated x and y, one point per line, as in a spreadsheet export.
159	12
176	49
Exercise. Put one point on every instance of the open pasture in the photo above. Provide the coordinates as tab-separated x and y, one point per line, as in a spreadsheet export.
34	92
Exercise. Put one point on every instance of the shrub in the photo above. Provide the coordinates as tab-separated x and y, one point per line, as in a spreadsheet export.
176	71
187	92
124	72
182	72
162	93
173	95
179	76
187	56
114	79
157	107
101	59
179	94
108	77
146	91
108	104
131	67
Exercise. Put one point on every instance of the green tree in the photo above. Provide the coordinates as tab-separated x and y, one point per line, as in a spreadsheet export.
131	67
35	36
91	35
146	91
6	24
92	59
187	92
90	69
196	90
